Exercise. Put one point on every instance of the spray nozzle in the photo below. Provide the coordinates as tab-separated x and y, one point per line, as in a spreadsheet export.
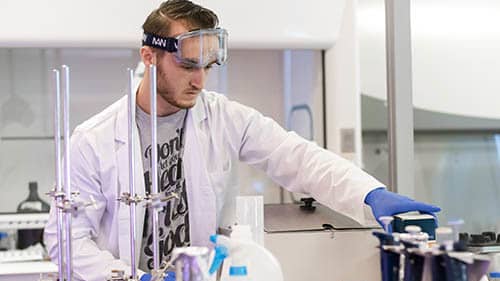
221	253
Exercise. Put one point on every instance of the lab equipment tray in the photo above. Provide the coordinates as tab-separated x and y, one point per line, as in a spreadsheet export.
291	218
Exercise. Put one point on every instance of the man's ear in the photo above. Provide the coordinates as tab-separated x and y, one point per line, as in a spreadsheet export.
147	55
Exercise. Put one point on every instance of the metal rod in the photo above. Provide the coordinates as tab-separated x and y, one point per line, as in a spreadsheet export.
131	170
391	138
57	143
399	96
287	97
391	134
154	165
67	169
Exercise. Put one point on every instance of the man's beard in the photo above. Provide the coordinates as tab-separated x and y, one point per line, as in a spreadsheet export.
164	95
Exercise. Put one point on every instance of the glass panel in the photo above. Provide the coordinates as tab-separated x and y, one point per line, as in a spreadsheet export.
455	96
374	123
98	78
455	68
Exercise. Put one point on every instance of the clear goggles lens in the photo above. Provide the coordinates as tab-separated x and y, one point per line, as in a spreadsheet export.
202	48
199	48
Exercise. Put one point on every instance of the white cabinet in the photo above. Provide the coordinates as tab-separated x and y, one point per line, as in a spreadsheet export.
258	24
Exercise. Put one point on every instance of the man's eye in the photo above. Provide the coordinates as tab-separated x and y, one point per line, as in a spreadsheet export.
187	67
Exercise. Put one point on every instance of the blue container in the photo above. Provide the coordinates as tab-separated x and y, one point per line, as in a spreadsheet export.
494	276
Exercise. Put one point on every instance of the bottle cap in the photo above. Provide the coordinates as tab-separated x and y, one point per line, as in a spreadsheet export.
242	232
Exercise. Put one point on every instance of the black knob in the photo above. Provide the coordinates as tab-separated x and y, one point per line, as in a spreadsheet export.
308	204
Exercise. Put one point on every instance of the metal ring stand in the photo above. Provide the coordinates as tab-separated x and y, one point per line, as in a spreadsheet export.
153	201
64	197
62	194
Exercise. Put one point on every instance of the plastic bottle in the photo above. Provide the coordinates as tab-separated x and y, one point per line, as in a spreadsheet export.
444	234
455	225
249	261
238	271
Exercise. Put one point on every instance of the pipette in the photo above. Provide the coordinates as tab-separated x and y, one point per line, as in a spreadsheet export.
386	220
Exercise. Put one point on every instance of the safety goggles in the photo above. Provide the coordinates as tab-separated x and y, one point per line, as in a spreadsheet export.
194	49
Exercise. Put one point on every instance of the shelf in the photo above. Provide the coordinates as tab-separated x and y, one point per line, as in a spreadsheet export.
23	221
28	138
37	267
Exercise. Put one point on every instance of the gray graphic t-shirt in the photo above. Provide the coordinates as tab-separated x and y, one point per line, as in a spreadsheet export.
173	220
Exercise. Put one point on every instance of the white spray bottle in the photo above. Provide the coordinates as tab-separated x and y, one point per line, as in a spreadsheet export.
248	260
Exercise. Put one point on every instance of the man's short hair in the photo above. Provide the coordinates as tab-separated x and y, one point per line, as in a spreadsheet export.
193	15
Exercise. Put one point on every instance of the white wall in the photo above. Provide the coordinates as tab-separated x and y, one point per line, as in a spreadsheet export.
282	24
455	55
343	89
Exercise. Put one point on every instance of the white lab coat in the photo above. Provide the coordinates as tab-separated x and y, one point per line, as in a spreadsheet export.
218	132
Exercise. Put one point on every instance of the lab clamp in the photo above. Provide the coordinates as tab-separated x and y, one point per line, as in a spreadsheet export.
410	257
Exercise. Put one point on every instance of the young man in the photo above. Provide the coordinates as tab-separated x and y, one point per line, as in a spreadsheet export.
200	135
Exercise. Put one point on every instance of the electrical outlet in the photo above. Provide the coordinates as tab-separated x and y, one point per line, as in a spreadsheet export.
347	144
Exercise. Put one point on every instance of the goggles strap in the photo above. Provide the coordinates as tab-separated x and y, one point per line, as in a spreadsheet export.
168	44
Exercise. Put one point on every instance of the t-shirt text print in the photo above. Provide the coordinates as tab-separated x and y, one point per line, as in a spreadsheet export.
173	218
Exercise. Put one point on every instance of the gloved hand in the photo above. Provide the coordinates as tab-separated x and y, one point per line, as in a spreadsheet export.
169	276
386	203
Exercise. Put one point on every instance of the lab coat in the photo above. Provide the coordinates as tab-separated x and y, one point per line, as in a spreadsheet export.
218	132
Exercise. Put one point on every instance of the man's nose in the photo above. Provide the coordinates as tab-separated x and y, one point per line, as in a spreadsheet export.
198	78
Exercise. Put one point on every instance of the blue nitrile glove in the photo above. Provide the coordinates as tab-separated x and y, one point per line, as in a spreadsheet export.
169	276
386	203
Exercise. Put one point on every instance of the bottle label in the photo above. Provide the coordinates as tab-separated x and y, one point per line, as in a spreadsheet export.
31	205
